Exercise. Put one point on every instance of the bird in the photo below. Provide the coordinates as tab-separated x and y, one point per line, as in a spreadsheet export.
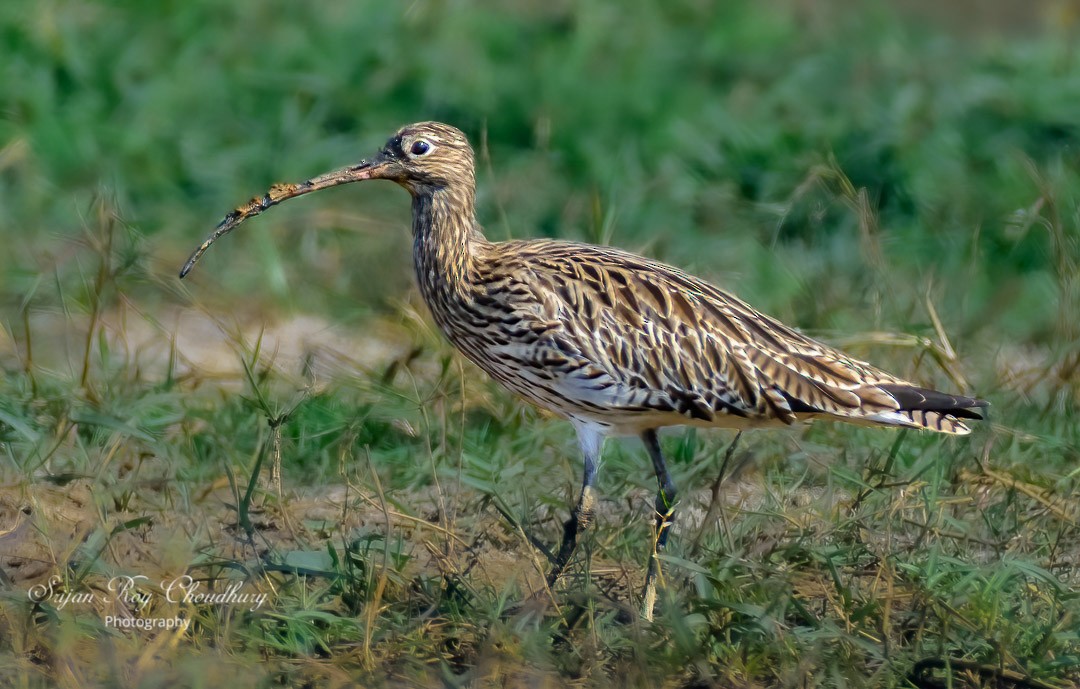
616	343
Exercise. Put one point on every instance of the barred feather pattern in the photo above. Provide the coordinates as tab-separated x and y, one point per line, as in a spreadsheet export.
607	337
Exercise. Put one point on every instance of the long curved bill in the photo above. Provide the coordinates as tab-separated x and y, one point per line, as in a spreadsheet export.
283	192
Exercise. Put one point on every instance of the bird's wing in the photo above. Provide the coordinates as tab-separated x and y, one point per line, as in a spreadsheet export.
633	333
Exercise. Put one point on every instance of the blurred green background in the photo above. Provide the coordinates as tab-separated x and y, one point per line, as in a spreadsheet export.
691	130
846	167
901	179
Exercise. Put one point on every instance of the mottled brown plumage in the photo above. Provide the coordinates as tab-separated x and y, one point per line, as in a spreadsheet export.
616	343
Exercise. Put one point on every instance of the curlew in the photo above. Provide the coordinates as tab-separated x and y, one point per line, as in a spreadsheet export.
616	343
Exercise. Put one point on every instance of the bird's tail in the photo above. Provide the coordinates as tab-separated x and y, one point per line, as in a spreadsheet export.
928	409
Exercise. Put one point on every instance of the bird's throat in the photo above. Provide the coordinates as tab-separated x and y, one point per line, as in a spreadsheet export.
445	236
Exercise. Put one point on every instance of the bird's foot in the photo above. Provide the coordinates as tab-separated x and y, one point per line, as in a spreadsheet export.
573	528
654	575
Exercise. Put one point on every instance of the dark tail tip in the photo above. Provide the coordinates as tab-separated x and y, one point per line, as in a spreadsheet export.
912	398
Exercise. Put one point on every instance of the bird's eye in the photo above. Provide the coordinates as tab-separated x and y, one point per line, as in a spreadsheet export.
420	148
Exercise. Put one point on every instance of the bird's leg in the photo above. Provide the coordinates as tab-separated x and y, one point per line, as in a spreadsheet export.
591	440
579	521
665	514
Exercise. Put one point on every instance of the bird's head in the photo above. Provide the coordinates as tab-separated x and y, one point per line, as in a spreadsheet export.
424	158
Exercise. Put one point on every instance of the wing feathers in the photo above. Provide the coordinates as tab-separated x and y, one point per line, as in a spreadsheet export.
671	343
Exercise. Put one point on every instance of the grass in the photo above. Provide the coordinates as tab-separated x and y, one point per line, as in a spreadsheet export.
290	421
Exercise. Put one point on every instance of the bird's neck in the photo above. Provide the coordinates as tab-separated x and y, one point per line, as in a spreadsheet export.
445	238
